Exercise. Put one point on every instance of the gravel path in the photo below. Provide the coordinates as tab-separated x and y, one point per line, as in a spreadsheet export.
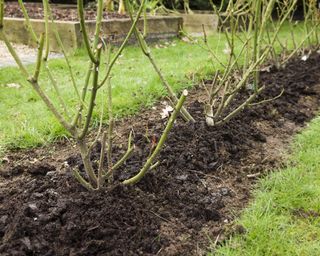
28	55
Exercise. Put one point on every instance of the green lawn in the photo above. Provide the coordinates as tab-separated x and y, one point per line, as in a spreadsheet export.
284	218
26	122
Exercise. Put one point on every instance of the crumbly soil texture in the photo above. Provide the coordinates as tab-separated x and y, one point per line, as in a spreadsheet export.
204	178
59	12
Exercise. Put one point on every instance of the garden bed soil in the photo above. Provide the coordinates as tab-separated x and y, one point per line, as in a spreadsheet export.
204	179
59	12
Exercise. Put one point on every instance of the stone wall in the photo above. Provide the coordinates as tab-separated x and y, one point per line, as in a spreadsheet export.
114	30
192	23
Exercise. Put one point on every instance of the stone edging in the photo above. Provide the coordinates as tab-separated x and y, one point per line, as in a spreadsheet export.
159	27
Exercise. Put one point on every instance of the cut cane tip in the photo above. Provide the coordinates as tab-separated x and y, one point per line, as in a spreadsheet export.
185	93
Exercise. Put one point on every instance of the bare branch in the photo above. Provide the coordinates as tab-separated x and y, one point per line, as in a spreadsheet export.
160	144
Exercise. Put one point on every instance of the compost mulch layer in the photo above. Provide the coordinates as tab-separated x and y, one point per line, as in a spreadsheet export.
59	12
205	177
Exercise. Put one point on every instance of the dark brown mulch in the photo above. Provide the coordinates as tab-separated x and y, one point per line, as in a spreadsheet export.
35	11
198	189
